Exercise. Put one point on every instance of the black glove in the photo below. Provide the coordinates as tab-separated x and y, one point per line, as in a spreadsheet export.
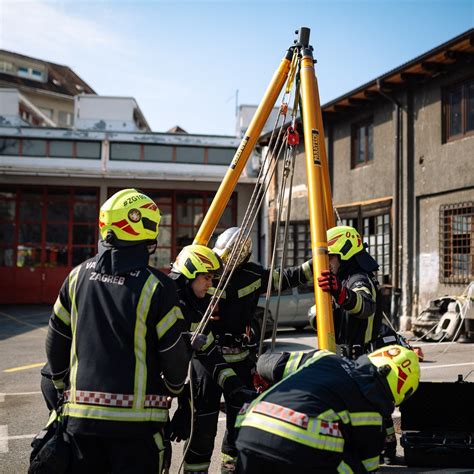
198	342
238	397
180	424
329	282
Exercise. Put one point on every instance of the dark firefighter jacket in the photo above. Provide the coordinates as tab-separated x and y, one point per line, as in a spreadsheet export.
117	329
239	302
358	320
209	356
325	415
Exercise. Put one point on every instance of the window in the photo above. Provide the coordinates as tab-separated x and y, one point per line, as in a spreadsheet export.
362	143
6	66
456	243
459	110
65	119
376	232
47	112
298	246
30	73
220	156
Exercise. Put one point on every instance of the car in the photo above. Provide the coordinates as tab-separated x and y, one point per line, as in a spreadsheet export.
293	310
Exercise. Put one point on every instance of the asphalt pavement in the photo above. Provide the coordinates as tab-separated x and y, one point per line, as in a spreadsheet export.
23	412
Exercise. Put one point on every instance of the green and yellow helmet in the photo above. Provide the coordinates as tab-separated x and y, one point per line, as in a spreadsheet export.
131	216
197	259
344	241
401	368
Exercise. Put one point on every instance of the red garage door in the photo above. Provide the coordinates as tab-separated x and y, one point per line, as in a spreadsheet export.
44	232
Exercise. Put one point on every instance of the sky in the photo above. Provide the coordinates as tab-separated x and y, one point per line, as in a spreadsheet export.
184	61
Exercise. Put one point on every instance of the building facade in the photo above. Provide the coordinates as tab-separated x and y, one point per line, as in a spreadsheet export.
401	158
52	183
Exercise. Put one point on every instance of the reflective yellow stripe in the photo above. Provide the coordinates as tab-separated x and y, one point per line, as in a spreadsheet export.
224	375
308	271
168	321
77	410
212	290
358	306
209	341
344	416
250	288
61	312
293	363
309	437
344	468
142	310
196	467
370	418
73	361
369	330
161	448
390	430
371	464
236	357
276	279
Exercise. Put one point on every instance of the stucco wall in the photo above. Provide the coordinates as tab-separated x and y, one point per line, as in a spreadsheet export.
428	264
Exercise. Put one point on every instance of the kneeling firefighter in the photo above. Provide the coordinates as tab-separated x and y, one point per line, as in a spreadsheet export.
193	271
326	412
116	346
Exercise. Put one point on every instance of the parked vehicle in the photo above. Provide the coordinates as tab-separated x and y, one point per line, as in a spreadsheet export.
294	306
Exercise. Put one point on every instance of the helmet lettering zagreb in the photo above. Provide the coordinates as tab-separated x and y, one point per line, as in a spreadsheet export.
131	216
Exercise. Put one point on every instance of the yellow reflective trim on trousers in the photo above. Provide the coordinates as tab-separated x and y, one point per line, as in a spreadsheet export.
292	363
61	312
250	288
344	468
73	360
168	321
308	271
77	410
236	357
212	290
309	437
371	464
370	328
204	466
139	342
369	418
158	438
224	375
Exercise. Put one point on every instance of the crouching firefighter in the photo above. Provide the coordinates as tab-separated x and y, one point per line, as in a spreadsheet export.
326	412
194	271
357	303
116	334
231	326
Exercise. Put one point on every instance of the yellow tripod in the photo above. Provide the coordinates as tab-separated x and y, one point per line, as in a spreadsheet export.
319	192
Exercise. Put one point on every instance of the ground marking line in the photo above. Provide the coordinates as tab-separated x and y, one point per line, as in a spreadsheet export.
446	365
15	394
24	367
3	438
19	321
7	438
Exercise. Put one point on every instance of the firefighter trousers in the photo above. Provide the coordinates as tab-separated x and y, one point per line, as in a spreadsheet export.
207	398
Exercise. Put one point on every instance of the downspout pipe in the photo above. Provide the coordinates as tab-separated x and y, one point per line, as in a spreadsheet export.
396	197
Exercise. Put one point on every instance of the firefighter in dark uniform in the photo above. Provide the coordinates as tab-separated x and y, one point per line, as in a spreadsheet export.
325	413
237	307
116	334
357	302
193	271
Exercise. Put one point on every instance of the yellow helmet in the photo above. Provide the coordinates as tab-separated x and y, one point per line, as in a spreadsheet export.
344	241
197	259
226	242
402	369
131	215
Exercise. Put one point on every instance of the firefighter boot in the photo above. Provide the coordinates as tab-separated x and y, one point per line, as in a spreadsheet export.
389	453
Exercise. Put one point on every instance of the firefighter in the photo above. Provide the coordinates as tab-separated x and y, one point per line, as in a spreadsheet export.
357	303
231	326
117	334
326	412
193	271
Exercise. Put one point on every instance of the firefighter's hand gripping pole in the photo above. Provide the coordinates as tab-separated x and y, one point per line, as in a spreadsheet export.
317	193
243	152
